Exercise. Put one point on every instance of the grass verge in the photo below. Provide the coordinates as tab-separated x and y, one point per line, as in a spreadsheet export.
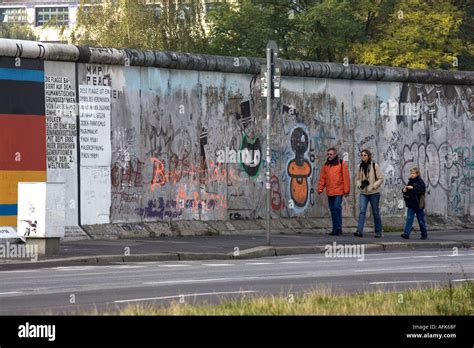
446	300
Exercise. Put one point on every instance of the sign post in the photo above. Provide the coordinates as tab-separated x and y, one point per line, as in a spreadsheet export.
272	52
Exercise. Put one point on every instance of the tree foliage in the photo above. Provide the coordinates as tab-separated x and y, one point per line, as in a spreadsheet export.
466	57
239	29
310	30
175	25
406	33
325	31
17	31
418	34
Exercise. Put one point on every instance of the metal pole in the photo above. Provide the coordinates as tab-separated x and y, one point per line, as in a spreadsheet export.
269	110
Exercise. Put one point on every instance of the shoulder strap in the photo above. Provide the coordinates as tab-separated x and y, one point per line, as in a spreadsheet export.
375	172
342	174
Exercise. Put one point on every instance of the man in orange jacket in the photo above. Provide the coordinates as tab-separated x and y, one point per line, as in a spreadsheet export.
335	177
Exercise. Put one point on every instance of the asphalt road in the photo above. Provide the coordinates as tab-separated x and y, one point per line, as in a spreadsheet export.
84	289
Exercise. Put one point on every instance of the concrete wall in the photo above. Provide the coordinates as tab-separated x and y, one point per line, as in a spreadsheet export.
22	131
150	137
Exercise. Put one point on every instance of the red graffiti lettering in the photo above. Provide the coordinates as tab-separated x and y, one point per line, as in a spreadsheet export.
176	170
159	176
277	203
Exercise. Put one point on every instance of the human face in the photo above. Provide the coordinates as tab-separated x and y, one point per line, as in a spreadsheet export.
364	157
413	174
331	155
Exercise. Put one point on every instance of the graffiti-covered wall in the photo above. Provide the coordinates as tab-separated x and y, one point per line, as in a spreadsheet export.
161	143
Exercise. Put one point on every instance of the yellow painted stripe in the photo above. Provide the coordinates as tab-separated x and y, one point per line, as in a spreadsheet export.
9	180
8	221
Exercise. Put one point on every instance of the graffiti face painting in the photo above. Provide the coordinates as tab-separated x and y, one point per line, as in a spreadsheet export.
251	156
299	168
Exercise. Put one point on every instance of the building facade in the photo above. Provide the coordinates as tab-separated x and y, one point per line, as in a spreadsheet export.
46	18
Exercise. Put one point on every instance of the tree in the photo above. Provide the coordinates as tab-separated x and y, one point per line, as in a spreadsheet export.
17	31
181	26
239	29
408	33
114	24
309	30
176	25
405	33
466	57
326	30
418	34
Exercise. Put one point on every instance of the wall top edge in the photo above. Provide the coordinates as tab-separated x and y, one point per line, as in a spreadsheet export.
245	65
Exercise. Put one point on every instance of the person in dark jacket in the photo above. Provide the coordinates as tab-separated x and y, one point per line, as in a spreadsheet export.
412	195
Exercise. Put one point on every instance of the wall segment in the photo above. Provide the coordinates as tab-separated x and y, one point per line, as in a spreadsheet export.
151	136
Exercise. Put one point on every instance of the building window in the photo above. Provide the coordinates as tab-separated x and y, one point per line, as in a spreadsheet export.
13	15
58	16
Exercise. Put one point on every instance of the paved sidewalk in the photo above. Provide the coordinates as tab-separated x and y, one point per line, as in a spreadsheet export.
229	246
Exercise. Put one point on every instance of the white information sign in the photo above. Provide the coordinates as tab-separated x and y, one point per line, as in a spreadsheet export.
94	116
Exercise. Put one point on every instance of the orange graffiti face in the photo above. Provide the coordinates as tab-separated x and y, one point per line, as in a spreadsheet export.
299	191
299	171
299	182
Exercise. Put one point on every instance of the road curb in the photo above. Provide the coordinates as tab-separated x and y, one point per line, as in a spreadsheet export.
187	256
151	257
373	247
261	251
468	244
76	261
256	252
420	245
283	251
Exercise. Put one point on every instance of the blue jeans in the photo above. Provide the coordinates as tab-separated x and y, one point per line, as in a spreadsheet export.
374	203
420	215
335	206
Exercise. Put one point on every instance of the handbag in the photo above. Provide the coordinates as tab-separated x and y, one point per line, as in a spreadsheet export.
421	201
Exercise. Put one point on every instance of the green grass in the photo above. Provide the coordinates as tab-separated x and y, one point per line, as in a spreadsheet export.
458	300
